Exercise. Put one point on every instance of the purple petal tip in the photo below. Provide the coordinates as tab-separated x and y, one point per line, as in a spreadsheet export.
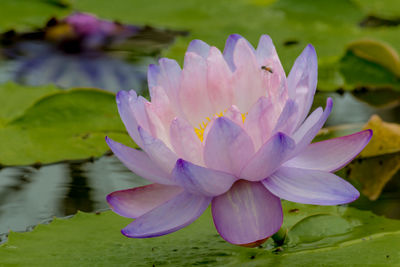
235	36
120	95
310	46
109	200
329	103
180	163
125	234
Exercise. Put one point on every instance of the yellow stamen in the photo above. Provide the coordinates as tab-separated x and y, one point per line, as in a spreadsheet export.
203	125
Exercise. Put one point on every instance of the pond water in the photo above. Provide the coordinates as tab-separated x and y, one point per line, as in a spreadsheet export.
29	196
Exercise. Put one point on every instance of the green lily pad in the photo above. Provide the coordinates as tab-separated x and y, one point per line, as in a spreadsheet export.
317	236
373	173
359	72
24	14
46	125
15	99
378	52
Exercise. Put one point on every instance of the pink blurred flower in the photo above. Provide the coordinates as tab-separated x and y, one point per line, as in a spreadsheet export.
232	130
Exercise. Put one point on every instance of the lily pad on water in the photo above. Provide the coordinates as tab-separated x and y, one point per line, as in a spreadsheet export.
338	235
48	125
386	138
380	160
378	52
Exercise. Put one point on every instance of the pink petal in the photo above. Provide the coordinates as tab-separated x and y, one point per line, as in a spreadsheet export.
208	128
246	213
169	217
164	157
157	129
234	114
193	95
199	47
268	158
161	105
229	48
331	155
135	202
227	147
219	81
139	110
310	187
267	56
169	79
139	163
247	79
311	126
200	180
266	50
287	118
260	121
302	81
185	141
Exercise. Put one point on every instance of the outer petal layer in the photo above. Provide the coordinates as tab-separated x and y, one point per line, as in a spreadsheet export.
158	151
268	158
247	213
331	155
171	216
135	202
227	147
139	163
200	180
310	187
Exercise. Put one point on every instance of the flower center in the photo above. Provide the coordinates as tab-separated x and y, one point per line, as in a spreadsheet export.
203	125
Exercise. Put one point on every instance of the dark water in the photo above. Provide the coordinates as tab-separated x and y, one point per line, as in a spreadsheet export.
29	196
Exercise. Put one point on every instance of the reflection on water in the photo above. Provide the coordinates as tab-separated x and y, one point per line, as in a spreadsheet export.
29	196
82	50
78	195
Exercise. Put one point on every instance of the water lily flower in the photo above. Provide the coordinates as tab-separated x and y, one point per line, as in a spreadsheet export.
230	130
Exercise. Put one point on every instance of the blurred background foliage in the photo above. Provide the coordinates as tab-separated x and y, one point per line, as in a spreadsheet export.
61	62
